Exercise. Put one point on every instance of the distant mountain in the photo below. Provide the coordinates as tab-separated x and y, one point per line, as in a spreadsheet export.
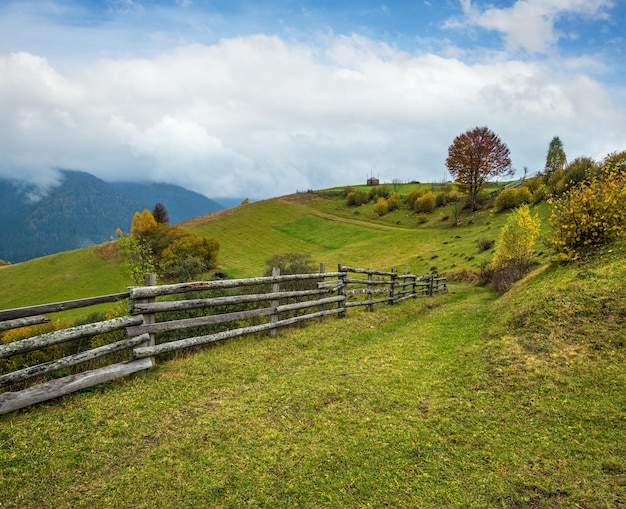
83	211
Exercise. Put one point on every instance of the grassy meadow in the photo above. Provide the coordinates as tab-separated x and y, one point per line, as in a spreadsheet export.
469	399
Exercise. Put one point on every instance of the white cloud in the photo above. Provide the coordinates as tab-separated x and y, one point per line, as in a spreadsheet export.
259	116
530	24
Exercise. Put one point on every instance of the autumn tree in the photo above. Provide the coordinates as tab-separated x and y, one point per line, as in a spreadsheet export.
514	248
142	222
556	159
474	157
160	214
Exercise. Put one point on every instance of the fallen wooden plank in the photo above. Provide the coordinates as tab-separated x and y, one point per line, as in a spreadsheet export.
11	401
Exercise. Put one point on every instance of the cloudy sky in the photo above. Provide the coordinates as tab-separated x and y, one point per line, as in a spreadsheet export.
259	98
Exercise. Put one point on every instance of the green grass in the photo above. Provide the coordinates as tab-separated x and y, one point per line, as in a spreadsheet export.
59	277
327	229
325	233
442	402
463	400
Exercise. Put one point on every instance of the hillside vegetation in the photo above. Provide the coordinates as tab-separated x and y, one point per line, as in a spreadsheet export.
466	400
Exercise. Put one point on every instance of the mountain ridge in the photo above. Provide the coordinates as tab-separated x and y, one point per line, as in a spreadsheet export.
83	210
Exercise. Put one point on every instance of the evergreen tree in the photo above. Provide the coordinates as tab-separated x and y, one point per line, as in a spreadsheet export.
556	159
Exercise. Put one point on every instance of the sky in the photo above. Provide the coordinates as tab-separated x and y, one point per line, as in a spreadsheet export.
257	99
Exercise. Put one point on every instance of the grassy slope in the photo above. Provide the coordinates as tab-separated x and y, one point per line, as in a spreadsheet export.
69	275
467	400
248	235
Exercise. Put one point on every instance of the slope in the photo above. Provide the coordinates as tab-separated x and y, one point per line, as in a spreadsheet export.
458	401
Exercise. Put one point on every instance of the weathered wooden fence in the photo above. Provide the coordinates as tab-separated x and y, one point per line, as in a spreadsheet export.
159	315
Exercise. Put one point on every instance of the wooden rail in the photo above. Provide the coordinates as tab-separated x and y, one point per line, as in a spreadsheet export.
154	322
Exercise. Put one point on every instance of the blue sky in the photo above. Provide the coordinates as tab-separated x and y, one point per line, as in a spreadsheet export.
263	98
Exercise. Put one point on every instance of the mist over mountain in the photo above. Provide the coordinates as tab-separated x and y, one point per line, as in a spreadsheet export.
81	211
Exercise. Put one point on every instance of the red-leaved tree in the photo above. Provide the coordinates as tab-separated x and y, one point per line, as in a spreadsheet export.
476	156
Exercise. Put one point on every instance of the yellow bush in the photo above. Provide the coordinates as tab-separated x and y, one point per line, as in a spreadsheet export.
517	239
591	214
426	203
382	207
394	201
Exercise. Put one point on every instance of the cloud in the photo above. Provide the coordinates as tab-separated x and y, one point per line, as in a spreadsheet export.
262	116
530	24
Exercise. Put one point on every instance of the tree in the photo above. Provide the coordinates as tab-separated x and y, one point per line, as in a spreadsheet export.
160	214
189	256
142	222
514	248
555	160
475	156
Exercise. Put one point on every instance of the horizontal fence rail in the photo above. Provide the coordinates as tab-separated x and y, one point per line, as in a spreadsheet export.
163	319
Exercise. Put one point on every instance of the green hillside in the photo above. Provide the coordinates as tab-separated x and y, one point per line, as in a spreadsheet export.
469	399
323	226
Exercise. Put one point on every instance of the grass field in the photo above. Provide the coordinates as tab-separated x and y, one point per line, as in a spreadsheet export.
466	400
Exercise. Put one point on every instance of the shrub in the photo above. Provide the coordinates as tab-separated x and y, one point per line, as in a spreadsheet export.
411	197
34	357
426	203
591	214
514	248
422	218
482	197
485	244
512	198
441	199
577	171
382	207
189	256
539	194
291	263
356	198
379	192
394	201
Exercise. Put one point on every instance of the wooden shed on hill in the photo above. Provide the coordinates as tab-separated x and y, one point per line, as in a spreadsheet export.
373	181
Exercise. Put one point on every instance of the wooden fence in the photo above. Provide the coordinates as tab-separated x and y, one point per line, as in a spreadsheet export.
159	315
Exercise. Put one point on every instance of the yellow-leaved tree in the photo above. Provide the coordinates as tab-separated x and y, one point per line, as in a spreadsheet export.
142	222
514	248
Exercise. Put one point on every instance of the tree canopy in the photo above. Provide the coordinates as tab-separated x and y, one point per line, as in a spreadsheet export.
556	159
474	157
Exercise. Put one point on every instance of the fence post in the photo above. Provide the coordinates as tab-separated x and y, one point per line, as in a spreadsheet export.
274	303
370	277
431	282
406	273
321	295
342	291
149	318
392	286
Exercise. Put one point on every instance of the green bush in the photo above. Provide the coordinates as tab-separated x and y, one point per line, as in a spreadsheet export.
356	198
376	192
441	199
188	257
575	172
